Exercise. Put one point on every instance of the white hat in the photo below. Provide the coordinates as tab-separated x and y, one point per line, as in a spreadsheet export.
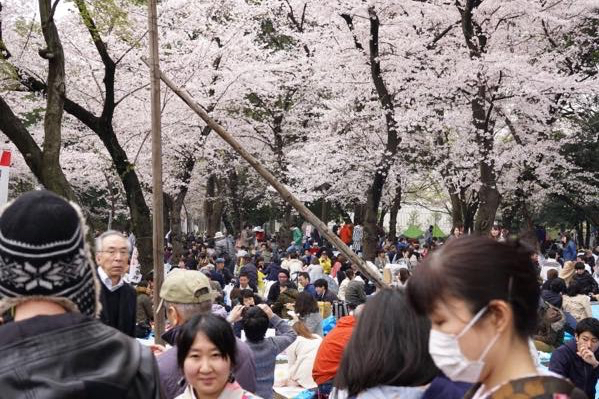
218	235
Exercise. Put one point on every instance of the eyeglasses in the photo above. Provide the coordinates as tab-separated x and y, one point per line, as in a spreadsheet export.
114	252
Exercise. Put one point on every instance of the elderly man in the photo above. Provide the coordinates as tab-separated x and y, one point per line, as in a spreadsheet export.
184	294
51	344
119	300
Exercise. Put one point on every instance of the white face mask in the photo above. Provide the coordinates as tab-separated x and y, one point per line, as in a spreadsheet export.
447	354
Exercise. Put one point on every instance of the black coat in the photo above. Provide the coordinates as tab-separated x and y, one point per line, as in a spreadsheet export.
223	277
119	308
552	297
587	282
564	361
72	356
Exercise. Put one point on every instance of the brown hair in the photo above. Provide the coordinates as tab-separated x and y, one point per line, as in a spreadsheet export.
478	270
552	274
404	274
305	304
300	328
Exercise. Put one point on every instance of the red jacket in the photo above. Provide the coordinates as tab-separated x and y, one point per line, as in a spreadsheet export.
331	350
346	233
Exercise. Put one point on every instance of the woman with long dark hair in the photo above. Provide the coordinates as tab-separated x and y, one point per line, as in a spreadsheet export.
387	356
482	297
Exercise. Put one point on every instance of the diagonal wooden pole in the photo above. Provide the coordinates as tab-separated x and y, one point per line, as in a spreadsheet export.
370	272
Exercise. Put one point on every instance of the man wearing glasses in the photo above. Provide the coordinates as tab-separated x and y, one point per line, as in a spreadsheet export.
117	297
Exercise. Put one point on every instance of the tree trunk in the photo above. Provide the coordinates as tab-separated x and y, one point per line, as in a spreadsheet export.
4	53
177	237
469	210
55	94
285	234
213	206
236	208
370	239
395	207
381	221
488	195
359	214
375	190
45	165
14	129
489	200
324	211
167	210
457	216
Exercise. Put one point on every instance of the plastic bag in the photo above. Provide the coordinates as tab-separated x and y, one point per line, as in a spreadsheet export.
328	324
307	394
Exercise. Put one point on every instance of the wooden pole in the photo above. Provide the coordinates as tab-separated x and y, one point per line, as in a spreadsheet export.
157	205
371	273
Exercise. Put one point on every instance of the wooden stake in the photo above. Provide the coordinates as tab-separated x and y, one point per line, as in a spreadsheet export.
371	273
157	219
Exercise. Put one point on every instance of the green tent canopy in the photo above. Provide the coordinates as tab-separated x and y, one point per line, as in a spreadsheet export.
413	232
438	233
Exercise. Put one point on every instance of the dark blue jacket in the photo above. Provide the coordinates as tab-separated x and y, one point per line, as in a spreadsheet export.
252	273
310	290
443	387
569	252
272	271
566	362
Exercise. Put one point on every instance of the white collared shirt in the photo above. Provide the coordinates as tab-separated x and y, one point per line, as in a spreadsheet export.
108	282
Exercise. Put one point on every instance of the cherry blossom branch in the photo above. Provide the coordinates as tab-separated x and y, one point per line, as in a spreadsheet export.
441	35
109	64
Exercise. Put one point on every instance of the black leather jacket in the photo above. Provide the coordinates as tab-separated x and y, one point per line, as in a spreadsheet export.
71	356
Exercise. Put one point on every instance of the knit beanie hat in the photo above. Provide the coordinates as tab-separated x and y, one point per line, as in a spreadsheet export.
354	293
43	254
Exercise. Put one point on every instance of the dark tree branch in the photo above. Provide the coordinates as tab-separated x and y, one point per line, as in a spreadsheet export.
109	64
18	134
350	24
441	35
4	53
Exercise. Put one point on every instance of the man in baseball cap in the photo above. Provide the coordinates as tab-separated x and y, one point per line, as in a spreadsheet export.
184	294
51	343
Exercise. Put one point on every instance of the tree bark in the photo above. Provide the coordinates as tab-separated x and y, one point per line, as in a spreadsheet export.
102	126
55	94
457	218
44	164
488	195
16	132
359	213
285	234
213	206
236	209
4	53
395	207
373	198
177	237
324	211
381	221
470	210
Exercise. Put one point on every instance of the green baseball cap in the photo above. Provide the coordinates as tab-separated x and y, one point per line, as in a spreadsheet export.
185	286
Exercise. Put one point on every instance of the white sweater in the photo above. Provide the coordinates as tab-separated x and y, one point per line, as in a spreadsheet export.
301	355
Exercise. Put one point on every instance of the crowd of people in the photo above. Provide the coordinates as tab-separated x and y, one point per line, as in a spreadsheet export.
471	317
